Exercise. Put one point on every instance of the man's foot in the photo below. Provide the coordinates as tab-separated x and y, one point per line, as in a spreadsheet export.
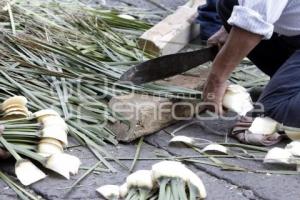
241	132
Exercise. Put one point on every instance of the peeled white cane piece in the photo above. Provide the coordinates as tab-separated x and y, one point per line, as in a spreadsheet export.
44	112
292	133
22	109
279	156
28	173
263	126
140	179
54	121
63	164
15	115
170	169
56	132
16	100
49	146
237	99
14	107
109	191
126	16
123	190
40	115
173	169
215	148
183	139
197	182
294	148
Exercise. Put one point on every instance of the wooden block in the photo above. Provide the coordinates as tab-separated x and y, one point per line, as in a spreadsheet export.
148	114
174	32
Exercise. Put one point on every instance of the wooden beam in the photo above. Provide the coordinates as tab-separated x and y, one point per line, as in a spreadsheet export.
174	32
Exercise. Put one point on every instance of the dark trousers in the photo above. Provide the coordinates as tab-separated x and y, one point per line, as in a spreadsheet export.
208	19
279	58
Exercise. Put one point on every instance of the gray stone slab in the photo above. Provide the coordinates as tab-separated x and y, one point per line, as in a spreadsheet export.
54	187
87	188
219	189
275	187
6	193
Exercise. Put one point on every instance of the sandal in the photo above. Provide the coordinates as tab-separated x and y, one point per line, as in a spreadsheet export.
240	131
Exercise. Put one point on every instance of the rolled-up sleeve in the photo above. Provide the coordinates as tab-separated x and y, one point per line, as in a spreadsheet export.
257	16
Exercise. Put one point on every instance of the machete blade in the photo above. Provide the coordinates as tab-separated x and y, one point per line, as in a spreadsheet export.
169	65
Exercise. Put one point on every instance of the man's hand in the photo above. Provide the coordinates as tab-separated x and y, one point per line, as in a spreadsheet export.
219	38
213	94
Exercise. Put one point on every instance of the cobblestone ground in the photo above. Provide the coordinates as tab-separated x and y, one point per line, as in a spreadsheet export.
220	185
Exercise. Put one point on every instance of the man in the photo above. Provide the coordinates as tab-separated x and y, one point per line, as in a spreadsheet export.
268	33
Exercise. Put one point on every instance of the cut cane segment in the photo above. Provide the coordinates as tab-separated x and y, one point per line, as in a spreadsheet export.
50	146
263	126
28	173
183	139
215	149
42	114
15	115
294	148
123	190
56	132
63	164
16	100
278	156
15	108
54	121
198	184
53	125
292	133
140	179
46	112
237	99
110	192
171	169
181	182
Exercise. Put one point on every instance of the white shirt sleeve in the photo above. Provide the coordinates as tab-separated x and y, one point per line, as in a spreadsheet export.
257	16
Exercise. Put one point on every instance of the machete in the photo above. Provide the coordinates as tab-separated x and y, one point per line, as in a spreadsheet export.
169	65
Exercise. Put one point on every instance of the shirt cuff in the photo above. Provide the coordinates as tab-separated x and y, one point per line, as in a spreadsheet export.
250	20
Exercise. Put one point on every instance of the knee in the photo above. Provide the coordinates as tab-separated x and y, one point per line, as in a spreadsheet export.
285	113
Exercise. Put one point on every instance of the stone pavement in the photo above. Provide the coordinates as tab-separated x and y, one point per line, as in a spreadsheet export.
219	184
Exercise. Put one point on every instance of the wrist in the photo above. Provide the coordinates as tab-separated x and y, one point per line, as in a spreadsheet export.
217	78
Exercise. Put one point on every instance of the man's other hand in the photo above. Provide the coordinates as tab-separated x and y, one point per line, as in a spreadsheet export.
213	94
219	38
